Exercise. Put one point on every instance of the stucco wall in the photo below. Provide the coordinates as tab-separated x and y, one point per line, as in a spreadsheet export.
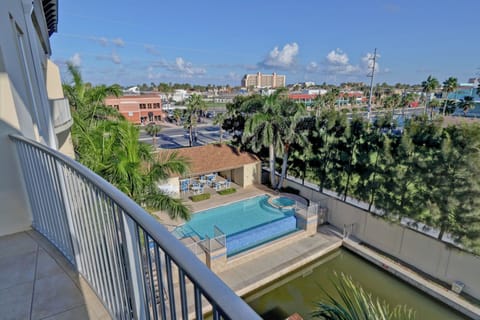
251	174
436	258
24	104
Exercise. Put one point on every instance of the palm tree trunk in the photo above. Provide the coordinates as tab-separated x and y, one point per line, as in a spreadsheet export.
445	105
372	194
426	104
271	151
284	168
347	184
190	134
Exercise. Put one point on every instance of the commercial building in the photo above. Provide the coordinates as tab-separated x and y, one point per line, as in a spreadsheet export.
72	245
260	80
138	109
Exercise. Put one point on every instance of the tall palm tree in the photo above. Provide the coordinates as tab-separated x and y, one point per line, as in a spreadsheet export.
153	130
290	132
262	129
449	85
428	86
195	105
86	100
218	120
177	115
275	127
354	303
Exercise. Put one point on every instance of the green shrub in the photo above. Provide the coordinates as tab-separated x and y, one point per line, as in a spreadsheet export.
200	197
227	191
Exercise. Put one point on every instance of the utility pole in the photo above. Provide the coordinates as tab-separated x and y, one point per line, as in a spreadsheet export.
371	83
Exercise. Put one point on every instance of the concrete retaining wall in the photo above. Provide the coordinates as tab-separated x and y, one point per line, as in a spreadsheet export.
436	258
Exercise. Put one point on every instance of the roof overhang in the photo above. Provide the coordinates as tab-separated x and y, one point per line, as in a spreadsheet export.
50	9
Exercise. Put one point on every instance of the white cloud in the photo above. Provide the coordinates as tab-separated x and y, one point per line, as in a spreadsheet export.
75	60
282	58
115	58
337	62
118	42
312	67
337	57
186	68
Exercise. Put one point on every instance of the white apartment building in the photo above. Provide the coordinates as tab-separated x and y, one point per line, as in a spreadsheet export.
260	80
31	96
179	95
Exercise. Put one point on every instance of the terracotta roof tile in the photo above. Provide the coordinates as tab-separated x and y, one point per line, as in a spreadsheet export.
214	158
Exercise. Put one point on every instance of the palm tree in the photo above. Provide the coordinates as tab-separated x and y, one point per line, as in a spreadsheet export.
275	127
449	85
218	120
407	100
429	86
86	100
110	148
392	101
153	130
354	303
262	129
467	103
290	133
195	105
177	115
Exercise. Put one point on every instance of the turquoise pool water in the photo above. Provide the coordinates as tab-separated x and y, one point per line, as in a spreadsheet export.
283	202
233	218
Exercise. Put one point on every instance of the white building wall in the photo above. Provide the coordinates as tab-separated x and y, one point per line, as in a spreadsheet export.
24	104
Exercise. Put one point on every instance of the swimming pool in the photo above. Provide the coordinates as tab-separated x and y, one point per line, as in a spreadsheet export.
283	202
246	224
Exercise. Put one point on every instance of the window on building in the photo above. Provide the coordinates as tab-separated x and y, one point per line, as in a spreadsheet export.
142	106
149	105
158	118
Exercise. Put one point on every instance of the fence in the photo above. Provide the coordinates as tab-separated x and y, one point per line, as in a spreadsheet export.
126	256
423	252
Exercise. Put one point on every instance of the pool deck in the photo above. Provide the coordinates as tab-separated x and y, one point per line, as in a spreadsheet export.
263	268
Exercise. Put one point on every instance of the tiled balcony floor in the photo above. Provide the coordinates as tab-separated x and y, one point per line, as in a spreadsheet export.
37	282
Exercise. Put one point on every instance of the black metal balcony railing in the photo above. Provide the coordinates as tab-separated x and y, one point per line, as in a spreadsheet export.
136	267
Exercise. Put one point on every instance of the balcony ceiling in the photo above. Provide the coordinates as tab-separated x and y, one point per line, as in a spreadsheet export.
50	8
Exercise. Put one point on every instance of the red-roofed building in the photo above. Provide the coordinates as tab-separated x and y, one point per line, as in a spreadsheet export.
138	109
305	98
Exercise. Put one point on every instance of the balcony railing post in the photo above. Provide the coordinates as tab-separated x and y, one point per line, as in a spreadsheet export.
133	256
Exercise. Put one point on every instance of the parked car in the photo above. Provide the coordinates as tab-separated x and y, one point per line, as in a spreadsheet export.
210	114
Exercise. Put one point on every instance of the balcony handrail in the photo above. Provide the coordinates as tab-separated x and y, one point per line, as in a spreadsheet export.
212	287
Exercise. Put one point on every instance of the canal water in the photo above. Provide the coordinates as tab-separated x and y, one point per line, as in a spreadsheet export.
298	292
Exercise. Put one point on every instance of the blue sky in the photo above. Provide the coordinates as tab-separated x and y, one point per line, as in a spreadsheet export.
217	42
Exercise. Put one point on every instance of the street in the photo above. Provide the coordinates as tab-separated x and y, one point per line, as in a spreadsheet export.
172	136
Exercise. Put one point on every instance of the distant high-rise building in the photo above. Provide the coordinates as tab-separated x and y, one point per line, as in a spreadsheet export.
260	80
